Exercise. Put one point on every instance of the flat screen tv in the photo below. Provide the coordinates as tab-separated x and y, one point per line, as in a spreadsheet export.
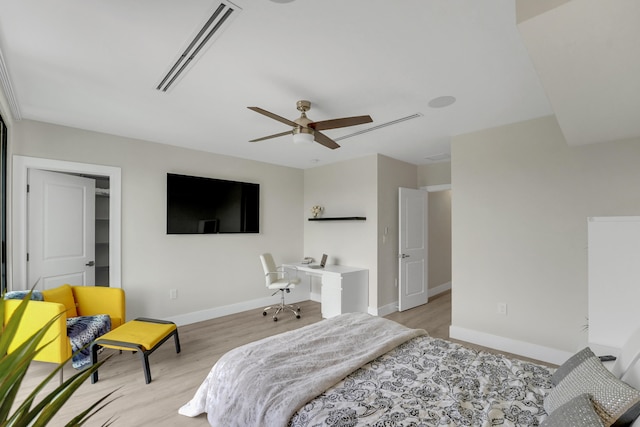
197	205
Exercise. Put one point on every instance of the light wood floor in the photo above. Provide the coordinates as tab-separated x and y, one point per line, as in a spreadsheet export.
177	376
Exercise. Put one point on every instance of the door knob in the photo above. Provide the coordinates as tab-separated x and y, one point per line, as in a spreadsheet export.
403	256
90	263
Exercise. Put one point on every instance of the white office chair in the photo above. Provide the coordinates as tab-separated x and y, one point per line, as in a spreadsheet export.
278	278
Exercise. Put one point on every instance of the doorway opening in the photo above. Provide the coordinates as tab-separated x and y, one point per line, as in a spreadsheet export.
102	216
112	204
439	238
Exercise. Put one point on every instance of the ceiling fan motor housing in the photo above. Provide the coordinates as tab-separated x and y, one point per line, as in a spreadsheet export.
302	121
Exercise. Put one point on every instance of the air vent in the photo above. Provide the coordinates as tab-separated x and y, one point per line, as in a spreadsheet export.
440	157
221	17
380	126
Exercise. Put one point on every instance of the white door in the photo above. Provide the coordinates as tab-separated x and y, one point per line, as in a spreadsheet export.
413	284
61	229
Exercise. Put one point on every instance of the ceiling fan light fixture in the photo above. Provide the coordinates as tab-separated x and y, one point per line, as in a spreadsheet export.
302	138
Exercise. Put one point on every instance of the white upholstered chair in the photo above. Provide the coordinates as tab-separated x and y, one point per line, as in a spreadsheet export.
282	281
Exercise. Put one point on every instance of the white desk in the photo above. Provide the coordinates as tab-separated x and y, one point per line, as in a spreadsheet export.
344	289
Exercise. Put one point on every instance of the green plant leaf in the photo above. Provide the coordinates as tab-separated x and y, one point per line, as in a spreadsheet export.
84	416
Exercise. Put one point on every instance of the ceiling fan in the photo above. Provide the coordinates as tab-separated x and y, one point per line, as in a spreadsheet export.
306	130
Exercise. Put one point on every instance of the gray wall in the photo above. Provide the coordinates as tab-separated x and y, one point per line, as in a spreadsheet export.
521	198
208	271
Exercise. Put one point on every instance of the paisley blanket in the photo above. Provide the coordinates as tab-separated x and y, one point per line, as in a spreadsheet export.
433	382
35	295
82	330
263	383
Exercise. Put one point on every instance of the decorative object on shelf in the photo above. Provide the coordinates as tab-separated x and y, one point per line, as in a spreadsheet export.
316	210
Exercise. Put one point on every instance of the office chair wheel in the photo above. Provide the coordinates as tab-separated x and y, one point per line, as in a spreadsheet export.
264	313
275	319
298	316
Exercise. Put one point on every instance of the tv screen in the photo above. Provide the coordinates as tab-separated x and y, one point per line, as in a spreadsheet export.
197	205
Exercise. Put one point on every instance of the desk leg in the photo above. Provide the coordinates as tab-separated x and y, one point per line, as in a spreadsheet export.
331	296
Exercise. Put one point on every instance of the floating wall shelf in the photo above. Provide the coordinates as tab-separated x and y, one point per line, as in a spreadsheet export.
340	218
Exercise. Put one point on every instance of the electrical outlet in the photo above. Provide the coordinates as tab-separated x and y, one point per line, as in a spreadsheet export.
502	308
173	294
396	284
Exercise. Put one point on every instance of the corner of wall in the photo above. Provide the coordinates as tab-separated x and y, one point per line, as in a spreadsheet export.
434	174
527	9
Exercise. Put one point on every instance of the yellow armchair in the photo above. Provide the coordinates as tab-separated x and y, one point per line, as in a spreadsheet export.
86	301
92	300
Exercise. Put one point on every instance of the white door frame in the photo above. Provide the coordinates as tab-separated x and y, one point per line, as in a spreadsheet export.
21	164
434	188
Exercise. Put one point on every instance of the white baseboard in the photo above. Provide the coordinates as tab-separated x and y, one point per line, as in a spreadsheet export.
256	304
439	289
522	348
213	313
393	307
386	309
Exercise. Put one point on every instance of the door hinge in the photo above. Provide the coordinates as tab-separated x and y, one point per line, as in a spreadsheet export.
28	188
27	256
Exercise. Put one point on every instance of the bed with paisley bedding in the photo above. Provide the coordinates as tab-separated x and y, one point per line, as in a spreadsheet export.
361	370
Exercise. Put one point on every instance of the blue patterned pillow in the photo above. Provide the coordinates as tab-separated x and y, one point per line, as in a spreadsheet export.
35	295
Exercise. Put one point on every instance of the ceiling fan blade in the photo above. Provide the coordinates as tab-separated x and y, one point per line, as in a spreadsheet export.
289	132
340	123
325	140
273	116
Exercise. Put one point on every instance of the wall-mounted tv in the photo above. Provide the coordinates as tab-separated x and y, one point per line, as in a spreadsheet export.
197	205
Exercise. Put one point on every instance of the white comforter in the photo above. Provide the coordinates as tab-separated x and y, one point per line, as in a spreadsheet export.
265	382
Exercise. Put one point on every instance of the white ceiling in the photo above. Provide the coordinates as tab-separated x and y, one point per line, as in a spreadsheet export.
95	65
587	54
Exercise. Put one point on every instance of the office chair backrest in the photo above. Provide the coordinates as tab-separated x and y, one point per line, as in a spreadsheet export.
269	266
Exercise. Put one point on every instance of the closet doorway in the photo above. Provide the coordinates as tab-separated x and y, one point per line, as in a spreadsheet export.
112	205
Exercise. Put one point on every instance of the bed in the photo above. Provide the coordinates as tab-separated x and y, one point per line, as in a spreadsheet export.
361	370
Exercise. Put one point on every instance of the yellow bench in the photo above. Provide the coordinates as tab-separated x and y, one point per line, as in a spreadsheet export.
143	335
